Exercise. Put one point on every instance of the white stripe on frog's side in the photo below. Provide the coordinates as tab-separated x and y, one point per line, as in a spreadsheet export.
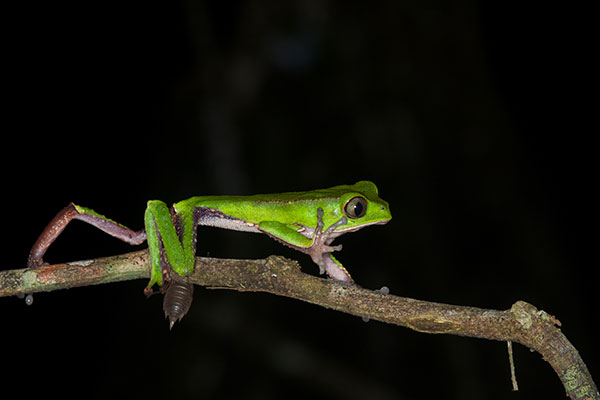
216	218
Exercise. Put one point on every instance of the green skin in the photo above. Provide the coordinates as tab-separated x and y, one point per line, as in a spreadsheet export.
305	221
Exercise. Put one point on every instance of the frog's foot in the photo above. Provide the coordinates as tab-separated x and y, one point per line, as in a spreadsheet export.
334	269
322	239
148	291
320	249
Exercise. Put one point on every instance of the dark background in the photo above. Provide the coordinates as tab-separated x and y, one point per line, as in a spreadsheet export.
470	118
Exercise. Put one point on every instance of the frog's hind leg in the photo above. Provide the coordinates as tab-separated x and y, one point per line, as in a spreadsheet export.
172	244
71	212
60	222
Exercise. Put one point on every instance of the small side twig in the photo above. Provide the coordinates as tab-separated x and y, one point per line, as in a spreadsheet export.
522	323
513	376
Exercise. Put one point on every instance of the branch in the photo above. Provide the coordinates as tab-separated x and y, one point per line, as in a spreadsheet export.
523	323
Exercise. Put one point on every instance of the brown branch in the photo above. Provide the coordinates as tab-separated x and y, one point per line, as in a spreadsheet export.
523	323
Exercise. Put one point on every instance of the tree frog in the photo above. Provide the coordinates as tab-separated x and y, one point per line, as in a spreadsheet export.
305	221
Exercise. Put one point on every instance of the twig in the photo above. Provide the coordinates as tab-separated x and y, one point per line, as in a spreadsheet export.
523	323
513	376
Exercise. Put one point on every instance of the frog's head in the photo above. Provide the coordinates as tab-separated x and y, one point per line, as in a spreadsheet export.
361	205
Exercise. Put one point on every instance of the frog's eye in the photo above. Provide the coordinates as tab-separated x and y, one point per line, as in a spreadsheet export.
356	207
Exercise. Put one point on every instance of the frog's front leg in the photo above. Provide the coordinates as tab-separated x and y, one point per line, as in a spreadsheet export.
320	249
315	243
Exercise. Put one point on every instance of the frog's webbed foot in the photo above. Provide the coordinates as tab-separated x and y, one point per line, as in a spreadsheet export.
320	249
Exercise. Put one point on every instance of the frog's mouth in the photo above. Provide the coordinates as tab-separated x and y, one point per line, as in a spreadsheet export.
339	231
346	229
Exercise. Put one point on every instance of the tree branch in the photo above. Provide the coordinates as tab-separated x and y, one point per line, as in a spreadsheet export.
523	323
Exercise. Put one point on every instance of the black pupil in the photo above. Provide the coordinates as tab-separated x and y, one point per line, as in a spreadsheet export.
358	208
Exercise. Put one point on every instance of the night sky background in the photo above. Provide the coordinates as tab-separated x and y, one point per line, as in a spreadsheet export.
472	118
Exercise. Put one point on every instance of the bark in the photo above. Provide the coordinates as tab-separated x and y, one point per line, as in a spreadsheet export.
522	323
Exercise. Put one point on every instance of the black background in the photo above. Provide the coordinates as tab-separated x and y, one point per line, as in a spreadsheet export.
472	119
